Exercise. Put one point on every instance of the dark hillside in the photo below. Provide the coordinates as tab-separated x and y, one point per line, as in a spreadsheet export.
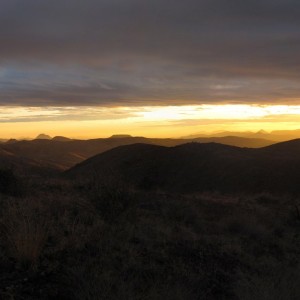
200	167
23	166
286	150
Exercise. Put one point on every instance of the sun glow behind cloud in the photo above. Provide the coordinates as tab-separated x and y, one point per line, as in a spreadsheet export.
216	112
160	121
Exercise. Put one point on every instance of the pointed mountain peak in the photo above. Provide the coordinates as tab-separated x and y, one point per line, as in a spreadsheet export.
262	132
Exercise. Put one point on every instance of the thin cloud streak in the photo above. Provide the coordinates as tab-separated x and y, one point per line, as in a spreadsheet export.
170	115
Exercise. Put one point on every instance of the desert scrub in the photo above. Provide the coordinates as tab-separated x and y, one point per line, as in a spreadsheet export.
9	183
25	228
279	283
111	198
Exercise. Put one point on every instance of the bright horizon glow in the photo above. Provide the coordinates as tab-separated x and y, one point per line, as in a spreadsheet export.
150	121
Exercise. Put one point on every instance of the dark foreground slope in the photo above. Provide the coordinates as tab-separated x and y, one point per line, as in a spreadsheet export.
107	241
200	167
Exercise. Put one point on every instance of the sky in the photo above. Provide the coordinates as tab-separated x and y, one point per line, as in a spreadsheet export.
92	68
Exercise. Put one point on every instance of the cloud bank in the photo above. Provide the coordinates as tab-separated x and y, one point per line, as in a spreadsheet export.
158	52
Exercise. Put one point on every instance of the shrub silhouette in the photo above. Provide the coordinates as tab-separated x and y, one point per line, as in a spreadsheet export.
9	184
110	196
25	228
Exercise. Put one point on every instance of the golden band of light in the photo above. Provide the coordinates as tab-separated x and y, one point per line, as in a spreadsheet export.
144	120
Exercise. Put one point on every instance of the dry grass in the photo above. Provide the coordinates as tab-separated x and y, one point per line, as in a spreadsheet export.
25	227
278	284
106	241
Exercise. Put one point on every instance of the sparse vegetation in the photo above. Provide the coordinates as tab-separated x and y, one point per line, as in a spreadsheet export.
9	183
25	226
105	241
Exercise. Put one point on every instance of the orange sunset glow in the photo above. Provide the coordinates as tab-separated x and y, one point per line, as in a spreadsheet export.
151	121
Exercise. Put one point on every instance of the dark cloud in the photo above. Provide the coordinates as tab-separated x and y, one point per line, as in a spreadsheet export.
133	52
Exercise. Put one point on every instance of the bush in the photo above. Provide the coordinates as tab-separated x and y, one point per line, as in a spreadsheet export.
9	183
279	284
111	198
25	230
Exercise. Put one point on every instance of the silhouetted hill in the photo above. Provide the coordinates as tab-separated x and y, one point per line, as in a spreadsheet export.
276	135
61	139
11	141
200	167
62	153
23	166
120	136
236	141
289	149
43	136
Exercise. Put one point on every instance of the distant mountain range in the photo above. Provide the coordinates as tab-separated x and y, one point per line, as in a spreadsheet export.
196	167
62	153
277	135
226	164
